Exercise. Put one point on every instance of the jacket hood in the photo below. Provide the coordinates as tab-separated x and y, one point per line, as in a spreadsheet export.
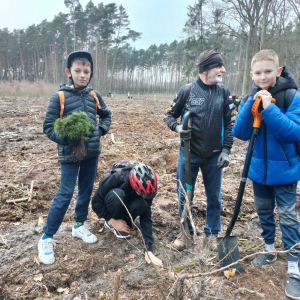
283	82
65	87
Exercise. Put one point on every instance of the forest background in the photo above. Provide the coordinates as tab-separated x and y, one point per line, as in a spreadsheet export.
33	59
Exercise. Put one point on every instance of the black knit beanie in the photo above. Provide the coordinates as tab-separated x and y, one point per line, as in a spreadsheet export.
209	59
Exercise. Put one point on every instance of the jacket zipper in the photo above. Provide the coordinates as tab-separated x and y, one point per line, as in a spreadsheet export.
286	155
266	156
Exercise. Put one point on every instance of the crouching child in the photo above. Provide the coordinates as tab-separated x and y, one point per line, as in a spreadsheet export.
133	186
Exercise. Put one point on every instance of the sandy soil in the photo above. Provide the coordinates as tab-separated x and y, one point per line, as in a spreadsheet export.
84	271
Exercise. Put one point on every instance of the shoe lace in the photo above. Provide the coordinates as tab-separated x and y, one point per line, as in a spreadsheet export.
48	245
85	229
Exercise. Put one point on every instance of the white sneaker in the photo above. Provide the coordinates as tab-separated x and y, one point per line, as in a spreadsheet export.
83	233
46	253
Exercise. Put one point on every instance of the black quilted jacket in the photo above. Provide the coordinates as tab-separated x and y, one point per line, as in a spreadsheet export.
75	101
211	113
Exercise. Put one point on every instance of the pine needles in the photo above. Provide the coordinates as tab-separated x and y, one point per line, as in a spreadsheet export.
75	127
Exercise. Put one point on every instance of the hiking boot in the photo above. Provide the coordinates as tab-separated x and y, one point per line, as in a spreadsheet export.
82	232
45	249
118	234
210	242
292	289
264	259
179	243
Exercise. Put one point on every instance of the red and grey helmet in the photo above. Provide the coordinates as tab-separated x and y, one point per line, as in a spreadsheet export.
143	180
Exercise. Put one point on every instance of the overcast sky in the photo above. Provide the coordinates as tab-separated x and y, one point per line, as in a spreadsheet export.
160	21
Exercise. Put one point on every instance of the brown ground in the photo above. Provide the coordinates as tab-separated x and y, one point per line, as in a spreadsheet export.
84	271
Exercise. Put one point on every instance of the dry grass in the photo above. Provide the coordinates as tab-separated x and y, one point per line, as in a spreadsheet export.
16	88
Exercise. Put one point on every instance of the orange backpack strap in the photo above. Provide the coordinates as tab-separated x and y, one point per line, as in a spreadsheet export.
96	99
61	103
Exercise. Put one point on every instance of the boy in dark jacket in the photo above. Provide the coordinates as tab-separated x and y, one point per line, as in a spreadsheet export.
78	97
134	186
275	165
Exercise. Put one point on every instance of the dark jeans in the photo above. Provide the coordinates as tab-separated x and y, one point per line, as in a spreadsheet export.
136	206
212	178
285	196
86	171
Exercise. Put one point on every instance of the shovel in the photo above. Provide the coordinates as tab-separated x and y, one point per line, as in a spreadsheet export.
187	124
228	249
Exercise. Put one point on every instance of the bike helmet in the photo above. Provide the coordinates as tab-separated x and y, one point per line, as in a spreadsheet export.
83	54
143	180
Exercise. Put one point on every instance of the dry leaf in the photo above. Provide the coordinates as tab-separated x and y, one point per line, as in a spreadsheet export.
38	277
47	294
36	260
102	295
73	286
254	215
65	258
271	282
63	290
40	221
213	281
77	298
131	255
229	273
101	229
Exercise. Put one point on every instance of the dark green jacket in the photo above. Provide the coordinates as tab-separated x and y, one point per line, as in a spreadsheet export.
75	101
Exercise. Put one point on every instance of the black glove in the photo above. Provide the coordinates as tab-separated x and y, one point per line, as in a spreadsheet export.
223	160
184	134
74	142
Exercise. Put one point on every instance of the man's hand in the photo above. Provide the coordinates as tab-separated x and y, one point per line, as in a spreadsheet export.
119	225
184	134
223	160
151	258
265	96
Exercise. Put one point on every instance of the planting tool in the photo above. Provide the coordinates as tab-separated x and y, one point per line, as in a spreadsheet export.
228	249
187	124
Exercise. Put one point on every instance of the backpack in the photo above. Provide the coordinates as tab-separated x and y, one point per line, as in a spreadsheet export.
118	166
62	102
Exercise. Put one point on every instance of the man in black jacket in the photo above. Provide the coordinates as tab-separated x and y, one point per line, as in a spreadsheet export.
134	186
211	138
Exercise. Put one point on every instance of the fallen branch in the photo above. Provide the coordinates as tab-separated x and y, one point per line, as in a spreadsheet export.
4	242
237	262
116	285
236	292
113	140
17	200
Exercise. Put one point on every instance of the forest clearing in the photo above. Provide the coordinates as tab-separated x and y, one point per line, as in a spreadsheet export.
30	172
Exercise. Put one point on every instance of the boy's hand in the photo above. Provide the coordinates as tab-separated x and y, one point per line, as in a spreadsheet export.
265	96
119	225
151	258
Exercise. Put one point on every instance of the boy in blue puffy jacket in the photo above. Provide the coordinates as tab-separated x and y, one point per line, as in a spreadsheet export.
275	165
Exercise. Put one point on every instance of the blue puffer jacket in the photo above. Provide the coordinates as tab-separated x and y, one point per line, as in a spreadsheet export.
274	160
75	101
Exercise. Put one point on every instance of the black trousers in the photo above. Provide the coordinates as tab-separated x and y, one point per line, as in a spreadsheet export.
136	206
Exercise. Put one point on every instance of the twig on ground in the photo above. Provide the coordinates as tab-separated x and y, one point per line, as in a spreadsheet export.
236	292
187	202
237	262
116	285
4	241
31	190
17	200
132	221
171	290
